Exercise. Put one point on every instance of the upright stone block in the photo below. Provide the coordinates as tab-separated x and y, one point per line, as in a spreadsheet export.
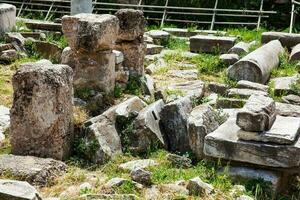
42	115
91	32
258	114
132	24
95	70
134	54
7	17
79	6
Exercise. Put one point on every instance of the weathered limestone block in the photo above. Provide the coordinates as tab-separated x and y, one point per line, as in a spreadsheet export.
9	56
287	40
37	171
291	99
244	93
257	66
224	143
95	70
174	118
147	132
132	24
102	130
218	88
159	37
153	49
288	110
90	32
201	121
251	85
229	59
185	74
42	113
7	17
48	50
230	102
284	131
135	164
79	6
18	190
295	54
258	114
119	57
198	187
240	48
43	25
247	173
211	44
193	89
156	66
68	57
134	54
284	85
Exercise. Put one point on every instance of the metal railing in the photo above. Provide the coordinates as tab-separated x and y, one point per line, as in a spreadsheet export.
292	23
161	13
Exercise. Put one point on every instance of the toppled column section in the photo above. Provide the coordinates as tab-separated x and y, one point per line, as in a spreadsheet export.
91	38
258	114
257	66
287	40
7	18
42	115
130	40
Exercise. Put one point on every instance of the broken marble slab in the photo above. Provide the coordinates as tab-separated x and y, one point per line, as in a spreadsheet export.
224	143
258	114
284	131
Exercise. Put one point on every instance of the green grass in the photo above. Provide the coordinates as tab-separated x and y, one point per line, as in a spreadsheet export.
246	34
285	68
177	44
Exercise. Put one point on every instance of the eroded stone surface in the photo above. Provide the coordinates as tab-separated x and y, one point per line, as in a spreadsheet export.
7	17
37	171
284	85
224	143
288	110
42	112
211	44
17	190
201	121
285	130
251	85
244	93
132	24
229	59
258	114
90	32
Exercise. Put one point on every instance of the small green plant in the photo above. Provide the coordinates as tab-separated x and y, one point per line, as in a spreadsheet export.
177	44
85	147
285	68
31	49
128	187
118	91
134	86
83	92
220	116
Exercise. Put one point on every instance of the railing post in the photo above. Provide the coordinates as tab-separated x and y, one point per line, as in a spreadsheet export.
49	11
259	17
214	16
292	17
19	13
164	15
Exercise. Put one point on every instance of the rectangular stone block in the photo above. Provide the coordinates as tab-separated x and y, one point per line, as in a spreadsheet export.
91	32
224	143
95	71
7	18
211	44
132	24
258	114
134	55
284	131
287	40
42	111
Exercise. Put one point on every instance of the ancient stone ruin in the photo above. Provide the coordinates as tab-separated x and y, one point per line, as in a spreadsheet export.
215	108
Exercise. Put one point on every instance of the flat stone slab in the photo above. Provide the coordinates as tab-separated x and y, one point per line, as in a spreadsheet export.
131	165
34	170
17	190
284	85
187	74
285	130
288	40
243	84
288	110
291	99
189	88
211	44
244	93
153	49
181	32
225	144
